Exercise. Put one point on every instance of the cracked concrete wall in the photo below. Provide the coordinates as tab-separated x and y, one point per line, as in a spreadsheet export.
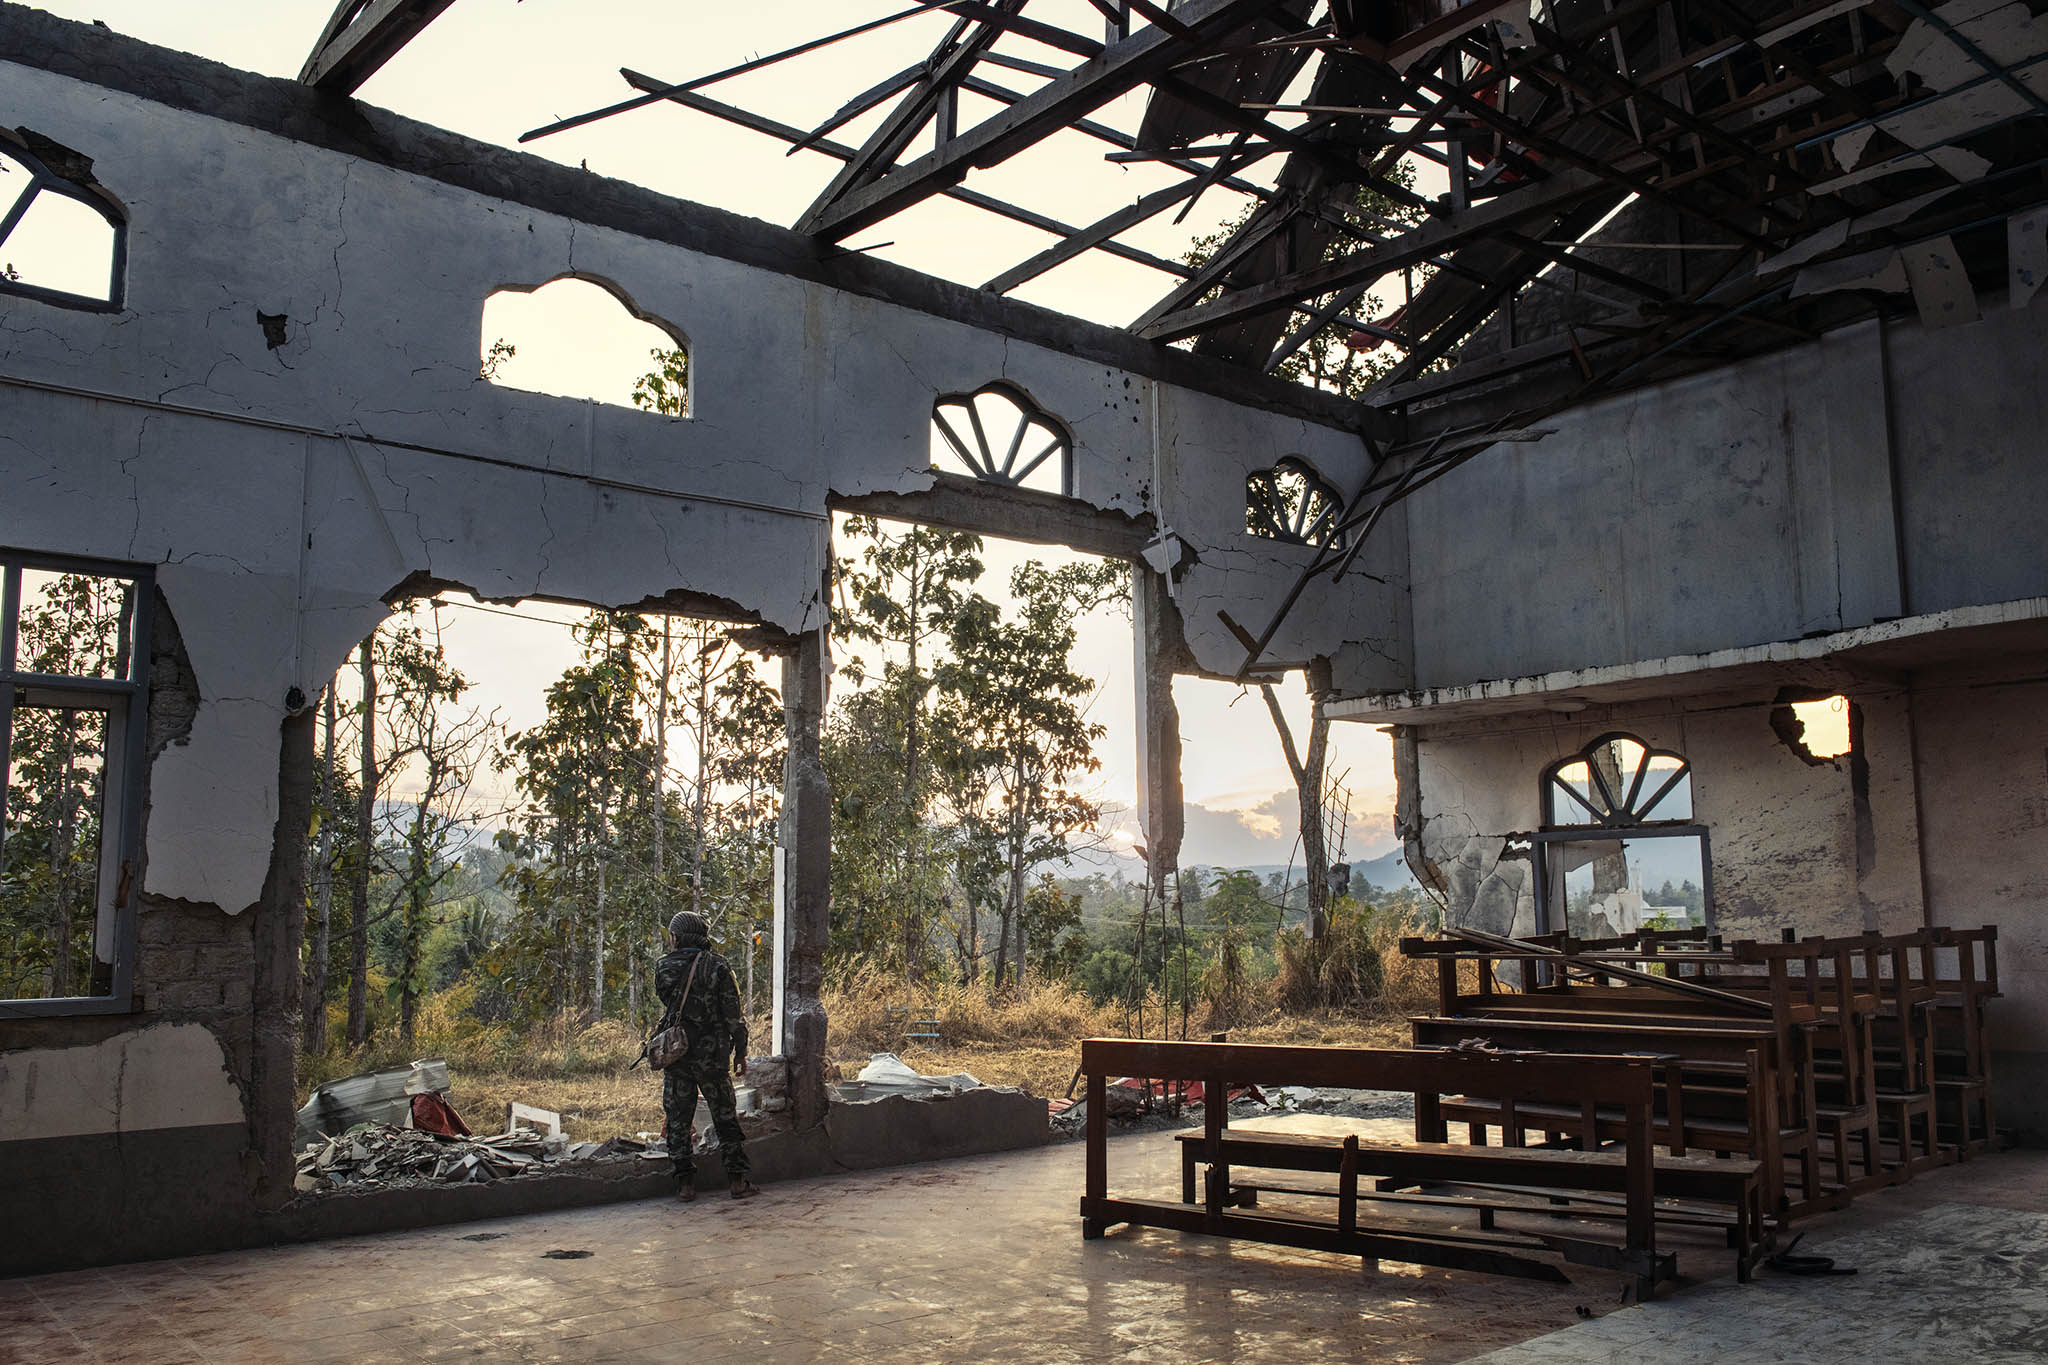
1822	848
1983	742
287	489
286	419
1206	449
1746	505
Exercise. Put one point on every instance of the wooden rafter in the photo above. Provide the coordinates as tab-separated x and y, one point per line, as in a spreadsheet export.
360	37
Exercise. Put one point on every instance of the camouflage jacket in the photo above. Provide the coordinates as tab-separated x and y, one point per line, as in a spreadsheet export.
717	1023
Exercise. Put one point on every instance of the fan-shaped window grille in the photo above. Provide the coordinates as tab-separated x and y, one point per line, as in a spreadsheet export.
1292	503
1617	781
999	435
60	241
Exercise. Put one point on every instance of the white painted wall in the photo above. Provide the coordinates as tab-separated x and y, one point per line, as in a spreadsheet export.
163	1076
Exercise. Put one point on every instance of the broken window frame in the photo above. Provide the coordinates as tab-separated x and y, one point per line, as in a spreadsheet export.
1623	821
1314	521
981	462
42	180
125	703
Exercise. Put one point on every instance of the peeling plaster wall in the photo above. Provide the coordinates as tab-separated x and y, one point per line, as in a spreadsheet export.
163	1076
1206	449
1793	844
1745	505
287	477
278	545
1984	790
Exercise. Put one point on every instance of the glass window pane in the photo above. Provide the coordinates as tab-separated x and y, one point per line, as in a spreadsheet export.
1611	887
50	859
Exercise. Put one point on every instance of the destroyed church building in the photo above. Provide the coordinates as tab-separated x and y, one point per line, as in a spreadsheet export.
1719	391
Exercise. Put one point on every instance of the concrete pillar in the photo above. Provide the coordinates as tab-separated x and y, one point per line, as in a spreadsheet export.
1158	641
279	920
805	864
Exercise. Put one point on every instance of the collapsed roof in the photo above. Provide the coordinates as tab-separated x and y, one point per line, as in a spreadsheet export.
1631	188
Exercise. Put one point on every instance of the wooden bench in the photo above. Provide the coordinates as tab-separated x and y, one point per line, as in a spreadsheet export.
1696	1191
1711	1113
1628	1169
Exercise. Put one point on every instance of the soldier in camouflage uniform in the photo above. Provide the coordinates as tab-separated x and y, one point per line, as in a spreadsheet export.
718	1034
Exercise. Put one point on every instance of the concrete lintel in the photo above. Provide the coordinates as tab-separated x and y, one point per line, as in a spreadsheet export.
1896	647
1027	514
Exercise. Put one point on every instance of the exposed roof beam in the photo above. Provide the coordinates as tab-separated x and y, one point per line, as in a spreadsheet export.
360	37
1129	64
812	142
1432	238
954	59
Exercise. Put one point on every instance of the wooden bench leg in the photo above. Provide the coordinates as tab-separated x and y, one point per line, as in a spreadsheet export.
1347	1187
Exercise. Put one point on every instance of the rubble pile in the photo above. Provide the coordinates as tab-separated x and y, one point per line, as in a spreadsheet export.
379	1154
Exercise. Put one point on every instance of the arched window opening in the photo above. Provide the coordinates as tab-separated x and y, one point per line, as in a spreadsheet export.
997	434
576	338
1617	853
1617	781
60	241
1292	503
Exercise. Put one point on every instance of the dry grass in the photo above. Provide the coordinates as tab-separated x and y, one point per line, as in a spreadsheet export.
1027	1038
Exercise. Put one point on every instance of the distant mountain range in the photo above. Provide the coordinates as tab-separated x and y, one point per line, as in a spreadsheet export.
1388	872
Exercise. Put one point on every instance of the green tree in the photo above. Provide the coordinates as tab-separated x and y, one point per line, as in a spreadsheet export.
900	593
76	625
1017	732
1337	358
583	775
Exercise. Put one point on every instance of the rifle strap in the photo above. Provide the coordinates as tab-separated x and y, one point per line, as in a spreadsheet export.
676	1015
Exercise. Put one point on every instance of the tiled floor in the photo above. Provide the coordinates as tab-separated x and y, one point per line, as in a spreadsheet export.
1958	1282
974	1260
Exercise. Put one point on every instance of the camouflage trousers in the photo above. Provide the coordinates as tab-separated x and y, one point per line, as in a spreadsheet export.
702	1072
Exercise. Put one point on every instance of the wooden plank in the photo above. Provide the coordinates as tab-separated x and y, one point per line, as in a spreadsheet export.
1096	1186
1124	67
362	37
1277	1230
796	137
1608	1080
1414	247
875	157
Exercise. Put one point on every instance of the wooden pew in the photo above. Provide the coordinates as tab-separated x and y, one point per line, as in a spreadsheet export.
1727	1097
1628	1171
1968	1114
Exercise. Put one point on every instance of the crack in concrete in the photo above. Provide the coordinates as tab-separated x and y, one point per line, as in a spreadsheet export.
540	574
341	225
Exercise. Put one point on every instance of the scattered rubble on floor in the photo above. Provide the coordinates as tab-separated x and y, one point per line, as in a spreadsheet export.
887	1074
374	1097
380	1154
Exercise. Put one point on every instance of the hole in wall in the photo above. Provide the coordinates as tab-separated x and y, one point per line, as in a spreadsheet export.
1816	728
580	338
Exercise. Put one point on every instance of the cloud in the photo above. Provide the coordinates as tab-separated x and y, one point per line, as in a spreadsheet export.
1263	833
